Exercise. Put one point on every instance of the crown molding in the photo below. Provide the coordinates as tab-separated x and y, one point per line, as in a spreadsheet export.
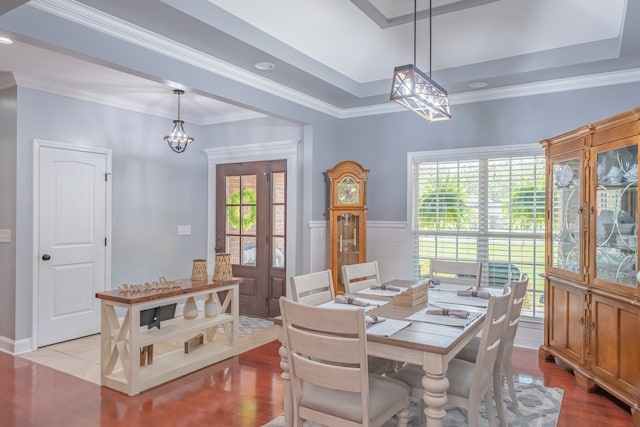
107	24
7	80
118	28
119	101
541	88
549	86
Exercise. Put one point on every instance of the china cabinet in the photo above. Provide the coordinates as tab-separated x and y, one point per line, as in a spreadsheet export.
592	297
347	218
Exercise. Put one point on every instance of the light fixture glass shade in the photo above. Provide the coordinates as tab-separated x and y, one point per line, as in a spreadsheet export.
178	139
417	92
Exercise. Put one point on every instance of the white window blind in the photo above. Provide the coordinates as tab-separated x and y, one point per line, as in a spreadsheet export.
485	205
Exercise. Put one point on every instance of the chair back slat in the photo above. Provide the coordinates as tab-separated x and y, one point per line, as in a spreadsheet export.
456	272
357	277
337	377
330	348
313	288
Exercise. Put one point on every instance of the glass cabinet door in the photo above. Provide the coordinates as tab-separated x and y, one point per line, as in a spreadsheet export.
567	218
616	207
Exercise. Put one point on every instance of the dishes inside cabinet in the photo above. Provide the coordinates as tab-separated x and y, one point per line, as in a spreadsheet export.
631	175
627	242
604	165
614	176
625	217
604	226
563	175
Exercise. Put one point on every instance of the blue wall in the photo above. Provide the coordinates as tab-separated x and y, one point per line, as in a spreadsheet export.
381	143
155	190
8	132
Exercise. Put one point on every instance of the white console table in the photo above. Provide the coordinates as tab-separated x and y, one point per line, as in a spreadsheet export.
122	338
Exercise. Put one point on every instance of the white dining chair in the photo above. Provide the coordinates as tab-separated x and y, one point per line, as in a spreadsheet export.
470	382
456	272
317	288
357	277
313	288
327	360
503	371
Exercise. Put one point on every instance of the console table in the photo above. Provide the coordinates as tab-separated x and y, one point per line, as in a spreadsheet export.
122	337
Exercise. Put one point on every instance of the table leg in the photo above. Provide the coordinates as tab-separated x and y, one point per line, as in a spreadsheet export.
435	384
286	384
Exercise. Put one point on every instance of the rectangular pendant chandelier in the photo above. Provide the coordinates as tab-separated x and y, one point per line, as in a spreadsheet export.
412	89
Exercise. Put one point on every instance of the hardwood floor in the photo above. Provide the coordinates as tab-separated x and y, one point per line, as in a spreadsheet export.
244	391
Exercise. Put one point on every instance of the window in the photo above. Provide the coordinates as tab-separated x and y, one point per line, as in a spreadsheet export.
485	204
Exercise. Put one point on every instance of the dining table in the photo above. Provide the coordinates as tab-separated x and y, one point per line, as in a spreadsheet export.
427	340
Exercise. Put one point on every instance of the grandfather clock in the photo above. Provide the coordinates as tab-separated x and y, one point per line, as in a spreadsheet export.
347	218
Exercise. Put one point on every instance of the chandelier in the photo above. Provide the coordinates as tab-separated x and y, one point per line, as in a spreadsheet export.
178	139
415	90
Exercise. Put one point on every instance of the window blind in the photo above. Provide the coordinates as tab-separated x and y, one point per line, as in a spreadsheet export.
488	208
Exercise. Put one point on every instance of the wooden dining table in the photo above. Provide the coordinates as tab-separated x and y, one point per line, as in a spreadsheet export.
429	345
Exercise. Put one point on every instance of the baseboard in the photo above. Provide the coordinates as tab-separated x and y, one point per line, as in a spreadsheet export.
7	345
530	334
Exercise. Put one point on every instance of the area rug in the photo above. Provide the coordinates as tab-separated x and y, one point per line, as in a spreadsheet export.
539	406
250	325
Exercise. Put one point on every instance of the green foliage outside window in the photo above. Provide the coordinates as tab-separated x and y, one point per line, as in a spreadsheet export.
527	206
443	205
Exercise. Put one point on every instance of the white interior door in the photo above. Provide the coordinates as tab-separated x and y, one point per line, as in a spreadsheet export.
72	242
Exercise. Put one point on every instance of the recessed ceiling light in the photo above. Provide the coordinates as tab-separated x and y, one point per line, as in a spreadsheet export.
265	66
478	85
5	40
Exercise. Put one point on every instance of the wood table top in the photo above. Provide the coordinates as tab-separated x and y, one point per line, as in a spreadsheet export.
431	337
187	286
423	336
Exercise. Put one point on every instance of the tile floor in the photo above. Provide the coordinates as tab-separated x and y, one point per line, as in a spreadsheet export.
81	357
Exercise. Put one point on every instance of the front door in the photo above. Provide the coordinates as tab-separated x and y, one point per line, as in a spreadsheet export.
72	243
250	226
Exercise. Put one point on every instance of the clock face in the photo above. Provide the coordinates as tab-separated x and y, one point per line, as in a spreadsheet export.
348	191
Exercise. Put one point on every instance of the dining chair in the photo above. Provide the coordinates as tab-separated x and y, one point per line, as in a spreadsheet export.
313	288
357	277
317	288
456	272
327	359
503	370
470	382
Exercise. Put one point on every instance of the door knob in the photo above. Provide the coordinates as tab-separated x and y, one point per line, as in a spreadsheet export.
46	257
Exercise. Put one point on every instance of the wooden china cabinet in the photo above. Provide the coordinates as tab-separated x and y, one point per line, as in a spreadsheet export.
347	218
592	293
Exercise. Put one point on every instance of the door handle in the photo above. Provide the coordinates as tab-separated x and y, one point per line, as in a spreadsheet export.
46	257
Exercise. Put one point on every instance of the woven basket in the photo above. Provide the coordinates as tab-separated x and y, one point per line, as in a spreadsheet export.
222	270
199	271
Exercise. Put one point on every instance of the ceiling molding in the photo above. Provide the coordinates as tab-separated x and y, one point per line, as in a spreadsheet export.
107	24
551	86
120	102
112	26
6	80
386	17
